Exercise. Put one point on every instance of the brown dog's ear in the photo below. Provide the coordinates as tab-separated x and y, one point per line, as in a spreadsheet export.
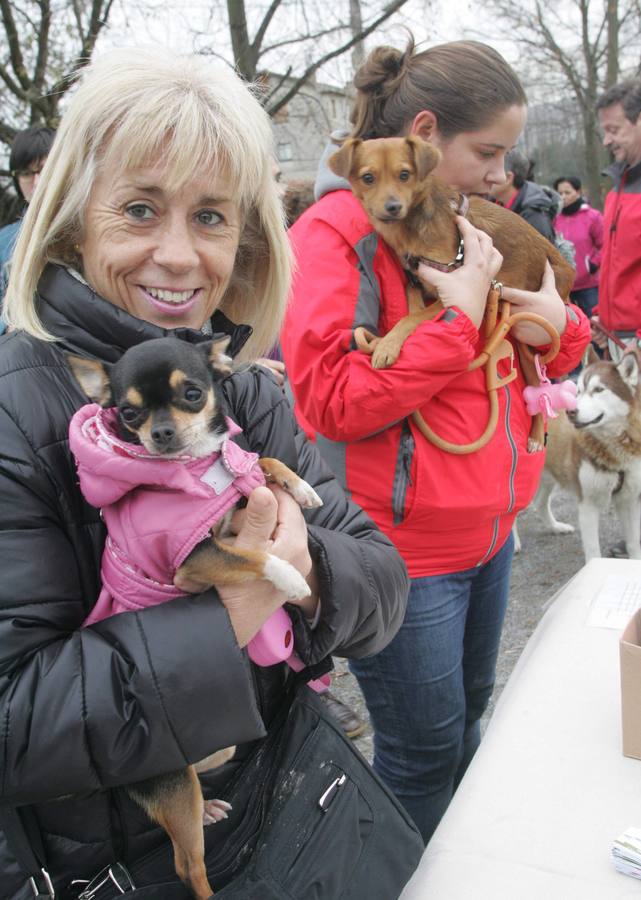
215	353
93	377
342	162
426	156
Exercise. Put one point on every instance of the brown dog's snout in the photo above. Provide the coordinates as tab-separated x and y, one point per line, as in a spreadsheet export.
393	206
571	414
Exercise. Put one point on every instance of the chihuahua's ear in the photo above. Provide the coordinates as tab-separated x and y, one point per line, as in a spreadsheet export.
426	156
93	378
342	162
215	351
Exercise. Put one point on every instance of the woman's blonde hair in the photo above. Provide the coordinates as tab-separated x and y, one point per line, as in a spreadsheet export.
133	106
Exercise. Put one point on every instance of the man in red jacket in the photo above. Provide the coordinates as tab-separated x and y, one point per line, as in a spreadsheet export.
619	309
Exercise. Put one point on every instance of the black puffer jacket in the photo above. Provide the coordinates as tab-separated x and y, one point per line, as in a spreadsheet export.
86	710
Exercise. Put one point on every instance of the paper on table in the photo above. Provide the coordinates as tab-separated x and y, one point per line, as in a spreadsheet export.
626	852
616	602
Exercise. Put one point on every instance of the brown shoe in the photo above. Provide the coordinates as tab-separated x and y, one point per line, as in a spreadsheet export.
350	722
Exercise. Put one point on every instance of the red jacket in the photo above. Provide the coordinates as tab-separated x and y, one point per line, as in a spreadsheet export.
620	282
444	512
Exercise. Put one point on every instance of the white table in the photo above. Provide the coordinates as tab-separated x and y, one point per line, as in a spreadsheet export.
549	788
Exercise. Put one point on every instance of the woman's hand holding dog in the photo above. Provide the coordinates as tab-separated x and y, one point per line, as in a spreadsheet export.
466	287
545	302
273	522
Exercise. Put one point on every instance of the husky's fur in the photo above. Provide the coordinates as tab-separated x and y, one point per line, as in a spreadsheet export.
595	452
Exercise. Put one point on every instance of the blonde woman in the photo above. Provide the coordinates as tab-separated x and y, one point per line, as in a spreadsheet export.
159	215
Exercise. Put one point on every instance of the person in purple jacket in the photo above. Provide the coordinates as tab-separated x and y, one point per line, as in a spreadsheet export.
580	223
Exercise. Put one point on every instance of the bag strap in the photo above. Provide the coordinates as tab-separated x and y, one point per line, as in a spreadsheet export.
23	836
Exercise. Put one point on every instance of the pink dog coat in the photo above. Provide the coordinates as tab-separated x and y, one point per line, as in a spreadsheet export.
156	510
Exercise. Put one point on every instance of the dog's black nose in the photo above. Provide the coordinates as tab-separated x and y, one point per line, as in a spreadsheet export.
571	414
163	434
393	207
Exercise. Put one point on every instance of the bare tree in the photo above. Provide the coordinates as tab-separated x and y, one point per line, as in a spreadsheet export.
574	47
45	44
294	37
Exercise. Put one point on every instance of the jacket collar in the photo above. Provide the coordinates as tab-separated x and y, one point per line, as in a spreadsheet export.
85	323
617	170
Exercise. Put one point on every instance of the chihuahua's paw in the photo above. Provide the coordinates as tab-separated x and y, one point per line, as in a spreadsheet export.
215	811
305	495
286	578
385	354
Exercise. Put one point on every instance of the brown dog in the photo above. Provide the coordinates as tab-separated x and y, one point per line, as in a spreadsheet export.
414	212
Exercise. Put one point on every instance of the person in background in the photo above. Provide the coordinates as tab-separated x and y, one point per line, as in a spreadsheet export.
619	310
581	224
450	516
29	151
533	202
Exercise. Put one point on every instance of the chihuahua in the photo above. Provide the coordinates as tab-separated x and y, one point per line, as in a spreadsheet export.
161	408
414	212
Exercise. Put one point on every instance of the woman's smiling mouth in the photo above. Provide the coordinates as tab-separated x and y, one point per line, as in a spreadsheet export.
173	303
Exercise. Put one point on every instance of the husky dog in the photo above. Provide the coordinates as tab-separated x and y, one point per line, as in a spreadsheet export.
595	452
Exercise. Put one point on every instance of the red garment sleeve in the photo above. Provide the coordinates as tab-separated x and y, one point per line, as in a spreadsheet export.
596	234
336	388
574	340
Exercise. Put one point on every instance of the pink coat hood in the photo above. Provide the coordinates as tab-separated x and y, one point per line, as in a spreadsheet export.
156	510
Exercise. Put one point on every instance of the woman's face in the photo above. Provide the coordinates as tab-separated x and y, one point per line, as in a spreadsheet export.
474	161
567	192
164	256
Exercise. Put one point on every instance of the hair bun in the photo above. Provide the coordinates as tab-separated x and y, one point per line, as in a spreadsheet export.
382	67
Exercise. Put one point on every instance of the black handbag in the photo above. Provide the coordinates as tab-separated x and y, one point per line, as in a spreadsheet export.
310	820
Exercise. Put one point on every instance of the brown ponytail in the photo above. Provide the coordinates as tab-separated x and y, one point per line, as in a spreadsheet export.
464	83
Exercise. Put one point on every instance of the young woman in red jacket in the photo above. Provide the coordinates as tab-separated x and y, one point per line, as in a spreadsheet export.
450	516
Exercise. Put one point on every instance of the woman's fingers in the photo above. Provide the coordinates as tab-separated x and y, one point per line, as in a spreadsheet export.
255	525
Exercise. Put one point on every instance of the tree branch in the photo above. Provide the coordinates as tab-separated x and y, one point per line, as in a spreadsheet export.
389	10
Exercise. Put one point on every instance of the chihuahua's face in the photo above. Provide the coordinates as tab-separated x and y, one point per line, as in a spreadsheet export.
166	392
387	175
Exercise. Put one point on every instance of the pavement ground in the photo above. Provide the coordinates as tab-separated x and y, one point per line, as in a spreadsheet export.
546	562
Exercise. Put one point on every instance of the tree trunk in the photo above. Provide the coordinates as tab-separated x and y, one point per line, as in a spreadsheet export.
593	160
241	45
356	27
612	69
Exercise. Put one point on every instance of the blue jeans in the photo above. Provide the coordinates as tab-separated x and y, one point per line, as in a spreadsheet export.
427	690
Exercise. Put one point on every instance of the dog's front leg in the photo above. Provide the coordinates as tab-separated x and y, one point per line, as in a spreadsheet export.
388	348
589	526
213	563
628	508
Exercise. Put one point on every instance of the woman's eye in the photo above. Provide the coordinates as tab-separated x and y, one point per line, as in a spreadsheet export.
193	395
209	217
140	211
404	176
368	178
128	413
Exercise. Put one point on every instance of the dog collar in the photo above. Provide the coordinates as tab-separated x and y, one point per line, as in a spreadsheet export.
411	263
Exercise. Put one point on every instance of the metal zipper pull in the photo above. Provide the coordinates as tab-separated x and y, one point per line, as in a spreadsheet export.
329	795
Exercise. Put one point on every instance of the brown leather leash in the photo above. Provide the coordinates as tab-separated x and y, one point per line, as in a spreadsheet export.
498	321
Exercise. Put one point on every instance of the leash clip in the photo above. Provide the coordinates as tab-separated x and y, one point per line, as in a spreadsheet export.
115	875
49	888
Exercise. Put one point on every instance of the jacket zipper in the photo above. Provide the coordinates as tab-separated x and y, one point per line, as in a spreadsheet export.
512	499
402	476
